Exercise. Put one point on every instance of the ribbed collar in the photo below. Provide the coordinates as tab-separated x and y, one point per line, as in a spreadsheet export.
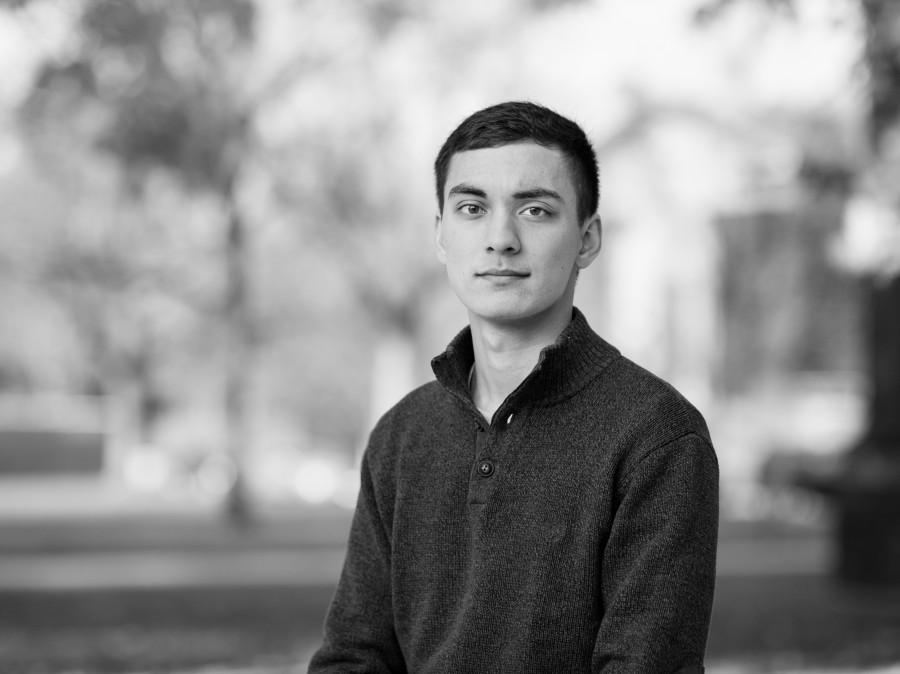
565	367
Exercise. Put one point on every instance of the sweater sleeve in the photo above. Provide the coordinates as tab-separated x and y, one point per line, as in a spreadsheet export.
359	627
659	563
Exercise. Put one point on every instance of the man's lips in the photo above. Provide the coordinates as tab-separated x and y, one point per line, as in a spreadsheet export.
503	272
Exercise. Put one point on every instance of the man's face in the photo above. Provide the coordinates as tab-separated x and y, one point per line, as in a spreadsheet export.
509	234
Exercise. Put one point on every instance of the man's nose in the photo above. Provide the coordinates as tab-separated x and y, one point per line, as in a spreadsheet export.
503	236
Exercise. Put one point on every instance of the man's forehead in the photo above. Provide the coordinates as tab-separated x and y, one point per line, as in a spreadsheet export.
510	167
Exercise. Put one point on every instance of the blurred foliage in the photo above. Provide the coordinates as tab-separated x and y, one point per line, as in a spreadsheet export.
870	187
881	56
149	86
709	12
187	219
226	194
155	73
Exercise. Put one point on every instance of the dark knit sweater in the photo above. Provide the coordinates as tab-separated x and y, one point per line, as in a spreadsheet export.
575	533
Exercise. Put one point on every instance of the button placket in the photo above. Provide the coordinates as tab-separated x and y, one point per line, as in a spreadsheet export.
486	467
481	441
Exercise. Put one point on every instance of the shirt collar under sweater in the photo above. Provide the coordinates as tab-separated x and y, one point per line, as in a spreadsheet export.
565	367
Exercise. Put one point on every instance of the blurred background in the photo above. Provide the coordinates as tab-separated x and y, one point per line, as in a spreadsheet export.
216	272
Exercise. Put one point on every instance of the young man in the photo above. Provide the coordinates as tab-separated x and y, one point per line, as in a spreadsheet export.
546	505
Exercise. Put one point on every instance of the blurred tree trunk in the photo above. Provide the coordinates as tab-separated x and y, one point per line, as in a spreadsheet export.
239	358
884	342
150	401
868	488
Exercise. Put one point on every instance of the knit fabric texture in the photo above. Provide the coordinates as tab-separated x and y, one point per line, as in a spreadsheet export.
574	533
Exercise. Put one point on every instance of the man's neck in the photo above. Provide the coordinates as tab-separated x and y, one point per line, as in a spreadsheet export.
506	353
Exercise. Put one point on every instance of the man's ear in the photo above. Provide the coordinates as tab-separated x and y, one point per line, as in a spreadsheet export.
591	241
439	240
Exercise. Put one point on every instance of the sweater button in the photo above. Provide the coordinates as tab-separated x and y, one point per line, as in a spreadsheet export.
486	468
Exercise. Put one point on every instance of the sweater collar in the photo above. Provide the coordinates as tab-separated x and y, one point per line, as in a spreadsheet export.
565	367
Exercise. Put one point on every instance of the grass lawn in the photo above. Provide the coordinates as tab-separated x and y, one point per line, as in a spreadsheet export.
769	624
272	629
796	623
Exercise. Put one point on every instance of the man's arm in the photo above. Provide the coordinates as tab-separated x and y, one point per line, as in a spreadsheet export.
359	628
659	563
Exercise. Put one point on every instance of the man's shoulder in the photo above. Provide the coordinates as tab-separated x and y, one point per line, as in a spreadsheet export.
649	403
646	415
416	411
647	382
423	401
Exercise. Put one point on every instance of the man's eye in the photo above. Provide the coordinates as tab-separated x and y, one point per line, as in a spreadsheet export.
536	212
471	209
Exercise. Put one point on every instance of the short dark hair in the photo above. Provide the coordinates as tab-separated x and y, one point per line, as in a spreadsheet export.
518	121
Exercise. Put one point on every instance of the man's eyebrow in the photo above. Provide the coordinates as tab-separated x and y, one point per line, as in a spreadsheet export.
463	188
537	193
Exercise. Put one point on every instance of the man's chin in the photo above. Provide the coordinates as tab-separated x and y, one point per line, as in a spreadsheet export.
505	313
